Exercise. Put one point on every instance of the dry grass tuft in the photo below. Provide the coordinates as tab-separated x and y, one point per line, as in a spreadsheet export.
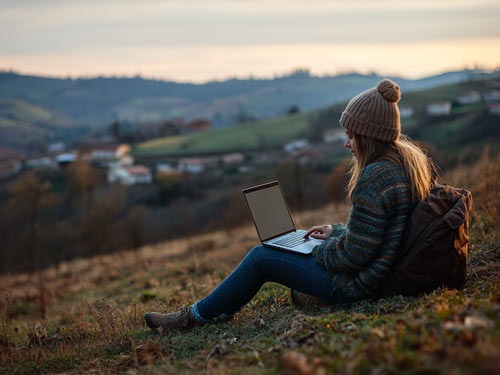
93	319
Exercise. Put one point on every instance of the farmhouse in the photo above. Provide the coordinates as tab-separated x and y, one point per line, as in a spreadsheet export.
66	158
108	153
334	135
233	158
297	145
439	108
196	165
469	97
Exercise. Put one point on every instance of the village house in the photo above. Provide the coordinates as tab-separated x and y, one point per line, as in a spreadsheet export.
10	162
469	97
56	147
106	154
165	169
51	161
296	145
130	175
233	158
406	112
334	135
66	158
439	108
196	165
492	96
41	162
198	125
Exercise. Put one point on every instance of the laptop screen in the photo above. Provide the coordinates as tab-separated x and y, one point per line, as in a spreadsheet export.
269	210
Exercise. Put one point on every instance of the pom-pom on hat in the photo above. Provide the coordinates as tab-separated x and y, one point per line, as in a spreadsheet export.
374	113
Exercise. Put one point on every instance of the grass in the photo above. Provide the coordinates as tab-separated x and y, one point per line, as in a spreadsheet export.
276	132
93	319
250	136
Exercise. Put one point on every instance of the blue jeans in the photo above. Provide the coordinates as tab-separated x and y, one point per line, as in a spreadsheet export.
260	265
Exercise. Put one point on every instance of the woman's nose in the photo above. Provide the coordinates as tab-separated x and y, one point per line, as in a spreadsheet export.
347	144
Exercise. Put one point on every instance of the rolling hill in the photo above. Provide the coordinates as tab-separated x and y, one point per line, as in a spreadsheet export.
89	105
466	129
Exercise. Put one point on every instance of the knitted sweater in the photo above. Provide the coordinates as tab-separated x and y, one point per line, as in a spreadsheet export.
359	256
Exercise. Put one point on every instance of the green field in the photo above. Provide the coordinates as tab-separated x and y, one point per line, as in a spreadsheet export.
250	136
439	131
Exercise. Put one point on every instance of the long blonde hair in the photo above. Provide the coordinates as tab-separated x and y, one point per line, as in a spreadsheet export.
419	169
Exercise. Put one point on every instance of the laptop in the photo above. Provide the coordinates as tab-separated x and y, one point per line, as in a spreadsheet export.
273	221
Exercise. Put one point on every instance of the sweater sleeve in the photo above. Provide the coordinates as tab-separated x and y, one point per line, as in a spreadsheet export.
338	230
357	244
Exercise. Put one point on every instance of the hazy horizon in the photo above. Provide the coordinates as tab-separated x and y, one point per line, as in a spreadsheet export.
199	41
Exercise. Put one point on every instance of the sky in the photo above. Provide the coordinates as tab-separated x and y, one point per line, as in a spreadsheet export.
203	40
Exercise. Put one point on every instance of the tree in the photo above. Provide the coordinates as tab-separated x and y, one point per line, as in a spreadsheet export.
136	228
81	185
293	109
81	178
28	196
336	182
323	121
102	219
291	175
115	130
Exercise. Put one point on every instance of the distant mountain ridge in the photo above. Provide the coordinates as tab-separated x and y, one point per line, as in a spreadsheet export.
93	103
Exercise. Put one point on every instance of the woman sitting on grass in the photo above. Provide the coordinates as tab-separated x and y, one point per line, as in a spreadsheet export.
389	175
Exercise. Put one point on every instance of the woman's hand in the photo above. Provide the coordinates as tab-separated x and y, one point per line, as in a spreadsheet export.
320	232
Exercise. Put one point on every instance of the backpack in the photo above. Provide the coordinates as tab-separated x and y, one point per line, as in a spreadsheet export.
433	251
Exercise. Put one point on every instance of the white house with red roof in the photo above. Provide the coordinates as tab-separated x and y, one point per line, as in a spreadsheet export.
104	154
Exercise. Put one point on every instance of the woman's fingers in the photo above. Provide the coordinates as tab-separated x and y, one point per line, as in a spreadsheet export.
319	232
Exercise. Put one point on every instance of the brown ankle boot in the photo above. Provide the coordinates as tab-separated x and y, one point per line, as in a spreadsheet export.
179	320
306	300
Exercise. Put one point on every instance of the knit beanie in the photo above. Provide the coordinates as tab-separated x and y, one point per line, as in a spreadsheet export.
374	113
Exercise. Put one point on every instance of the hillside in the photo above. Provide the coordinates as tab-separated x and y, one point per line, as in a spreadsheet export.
466	126
86	316
272	133
91	104
24	124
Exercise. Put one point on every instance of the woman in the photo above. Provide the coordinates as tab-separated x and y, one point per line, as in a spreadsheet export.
388	176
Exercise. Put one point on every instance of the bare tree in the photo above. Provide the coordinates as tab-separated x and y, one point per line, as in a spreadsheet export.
81	185
28	196
136	228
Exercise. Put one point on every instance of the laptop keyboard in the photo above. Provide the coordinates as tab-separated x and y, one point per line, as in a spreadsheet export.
292	240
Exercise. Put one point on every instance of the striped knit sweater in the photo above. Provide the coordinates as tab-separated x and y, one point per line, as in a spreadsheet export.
359	256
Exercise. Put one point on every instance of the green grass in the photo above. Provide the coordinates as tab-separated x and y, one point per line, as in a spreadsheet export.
250	136
442	132
276	132
21	111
